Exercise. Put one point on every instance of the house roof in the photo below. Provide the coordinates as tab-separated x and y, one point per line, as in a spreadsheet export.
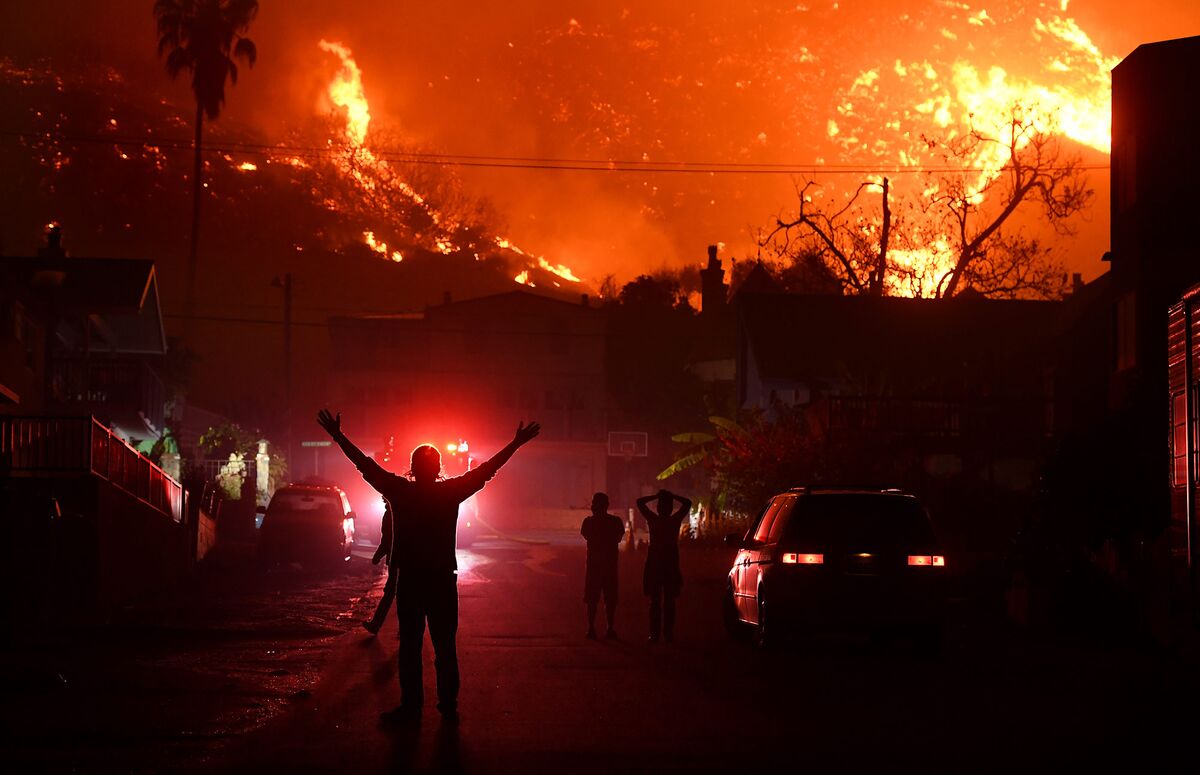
824	337
1188	48
500	304
517	297
120	295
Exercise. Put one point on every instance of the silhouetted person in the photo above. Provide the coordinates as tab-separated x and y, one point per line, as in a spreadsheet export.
603	532
424	523
662	579
373	624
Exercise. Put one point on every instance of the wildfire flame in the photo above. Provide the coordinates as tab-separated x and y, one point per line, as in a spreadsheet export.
1069	95
346	93
381	247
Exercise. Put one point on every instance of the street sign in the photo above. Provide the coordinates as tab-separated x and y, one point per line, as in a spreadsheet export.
316	443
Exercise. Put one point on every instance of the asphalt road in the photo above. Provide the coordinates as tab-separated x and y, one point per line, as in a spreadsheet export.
538	697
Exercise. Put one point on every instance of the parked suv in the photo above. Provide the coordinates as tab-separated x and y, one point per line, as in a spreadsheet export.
307	523
838	559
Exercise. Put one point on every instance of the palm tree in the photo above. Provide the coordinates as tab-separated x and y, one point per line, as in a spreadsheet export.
204	37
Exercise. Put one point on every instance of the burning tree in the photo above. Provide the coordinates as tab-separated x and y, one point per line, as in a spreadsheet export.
958	232
204	37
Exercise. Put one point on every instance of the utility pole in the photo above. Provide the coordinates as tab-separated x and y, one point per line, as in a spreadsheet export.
284	281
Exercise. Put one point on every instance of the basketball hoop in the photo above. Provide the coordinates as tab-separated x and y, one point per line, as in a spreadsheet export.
627	444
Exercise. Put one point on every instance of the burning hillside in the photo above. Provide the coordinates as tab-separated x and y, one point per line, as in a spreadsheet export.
617	139
111	168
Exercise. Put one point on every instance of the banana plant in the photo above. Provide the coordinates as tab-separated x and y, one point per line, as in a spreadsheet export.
707	448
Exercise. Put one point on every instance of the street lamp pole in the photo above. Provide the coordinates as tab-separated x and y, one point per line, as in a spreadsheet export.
284	282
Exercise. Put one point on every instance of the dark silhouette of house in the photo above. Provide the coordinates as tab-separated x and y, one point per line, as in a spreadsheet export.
98	325
78	338
973	377
1125	385
1155	261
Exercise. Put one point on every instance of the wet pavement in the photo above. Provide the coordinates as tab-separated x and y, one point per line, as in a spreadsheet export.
176	677
278	676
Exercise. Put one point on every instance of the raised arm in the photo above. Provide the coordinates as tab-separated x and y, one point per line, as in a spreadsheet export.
685	506
371	471
333	426
643	505
524	435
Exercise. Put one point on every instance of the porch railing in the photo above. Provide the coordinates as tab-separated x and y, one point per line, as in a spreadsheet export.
62	446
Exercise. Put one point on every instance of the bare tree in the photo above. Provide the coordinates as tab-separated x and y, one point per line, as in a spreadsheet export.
958	233
1039	173
845	237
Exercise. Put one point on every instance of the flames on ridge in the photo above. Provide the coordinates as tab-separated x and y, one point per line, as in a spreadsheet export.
847	91
1066	91
380	180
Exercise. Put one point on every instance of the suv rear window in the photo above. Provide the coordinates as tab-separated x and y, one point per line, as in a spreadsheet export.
293	501
859	520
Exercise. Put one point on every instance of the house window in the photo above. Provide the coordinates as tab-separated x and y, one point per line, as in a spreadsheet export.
1179	440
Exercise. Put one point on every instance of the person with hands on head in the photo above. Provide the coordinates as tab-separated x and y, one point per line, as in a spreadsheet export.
661	578
424	507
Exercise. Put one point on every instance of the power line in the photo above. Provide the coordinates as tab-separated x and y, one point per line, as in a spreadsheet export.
546	163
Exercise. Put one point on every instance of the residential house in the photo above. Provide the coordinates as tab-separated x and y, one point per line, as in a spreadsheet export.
77	340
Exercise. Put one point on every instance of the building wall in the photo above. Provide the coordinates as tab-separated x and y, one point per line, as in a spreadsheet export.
1155	257
22	358
470	371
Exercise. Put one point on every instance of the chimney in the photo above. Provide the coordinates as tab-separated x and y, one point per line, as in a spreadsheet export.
713	291
445	297
584	301
53	247
1076	282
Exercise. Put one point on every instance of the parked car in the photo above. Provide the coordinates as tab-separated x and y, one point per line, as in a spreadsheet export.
307	523
834	560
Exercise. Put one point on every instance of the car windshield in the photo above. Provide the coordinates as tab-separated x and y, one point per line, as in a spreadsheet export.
849	520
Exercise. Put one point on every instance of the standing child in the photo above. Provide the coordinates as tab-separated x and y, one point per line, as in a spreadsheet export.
603	532
662	579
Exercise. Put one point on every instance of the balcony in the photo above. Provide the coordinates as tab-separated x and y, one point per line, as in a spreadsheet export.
124	391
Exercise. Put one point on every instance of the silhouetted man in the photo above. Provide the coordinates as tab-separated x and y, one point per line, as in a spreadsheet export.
424	522
373	624
603	532
662	579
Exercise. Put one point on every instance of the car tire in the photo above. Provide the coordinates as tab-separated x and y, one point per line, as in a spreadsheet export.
736	628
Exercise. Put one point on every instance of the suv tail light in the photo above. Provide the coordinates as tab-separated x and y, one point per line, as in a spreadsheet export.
792	558
935	560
